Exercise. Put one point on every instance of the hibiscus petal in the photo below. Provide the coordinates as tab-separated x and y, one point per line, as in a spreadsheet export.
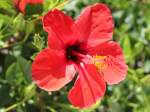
60	28
21	4
50	71
35	1
89	87
96	24
116	72
117	69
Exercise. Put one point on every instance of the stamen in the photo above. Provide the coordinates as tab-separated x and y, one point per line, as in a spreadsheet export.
78	54
101	62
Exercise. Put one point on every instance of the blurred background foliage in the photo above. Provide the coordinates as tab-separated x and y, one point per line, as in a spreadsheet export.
22	37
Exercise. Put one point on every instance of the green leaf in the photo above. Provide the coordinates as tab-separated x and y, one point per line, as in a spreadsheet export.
6	4
115	107
52	4
38	42
19	71
147	13
9	59
138	48
19	22
147	66
29	27
146	80
14	75
5	19
25	68
125	42
30	89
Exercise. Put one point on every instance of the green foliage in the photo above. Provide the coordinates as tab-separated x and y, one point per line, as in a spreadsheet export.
51	4
38	42
126	45
22	37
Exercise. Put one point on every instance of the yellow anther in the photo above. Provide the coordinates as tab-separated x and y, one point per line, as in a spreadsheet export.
99	61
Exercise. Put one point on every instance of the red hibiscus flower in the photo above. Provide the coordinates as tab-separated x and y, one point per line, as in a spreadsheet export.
21	4
83	46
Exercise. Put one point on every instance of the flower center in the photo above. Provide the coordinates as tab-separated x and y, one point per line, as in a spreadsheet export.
75	53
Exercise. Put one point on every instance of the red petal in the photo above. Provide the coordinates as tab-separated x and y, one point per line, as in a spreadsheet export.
118	69
50	70
60	28
35	1
116	72
54	42
21	4
89	87
96	24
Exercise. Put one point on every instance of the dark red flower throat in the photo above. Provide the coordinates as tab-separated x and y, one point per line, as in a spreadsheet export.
75	52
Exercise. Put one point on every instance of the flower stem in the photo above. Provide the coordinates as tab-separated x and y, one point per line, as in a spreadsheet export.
12	107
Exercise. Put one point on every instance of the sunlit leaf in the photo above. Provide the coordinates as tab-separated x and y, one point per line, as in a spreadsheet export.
38	42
